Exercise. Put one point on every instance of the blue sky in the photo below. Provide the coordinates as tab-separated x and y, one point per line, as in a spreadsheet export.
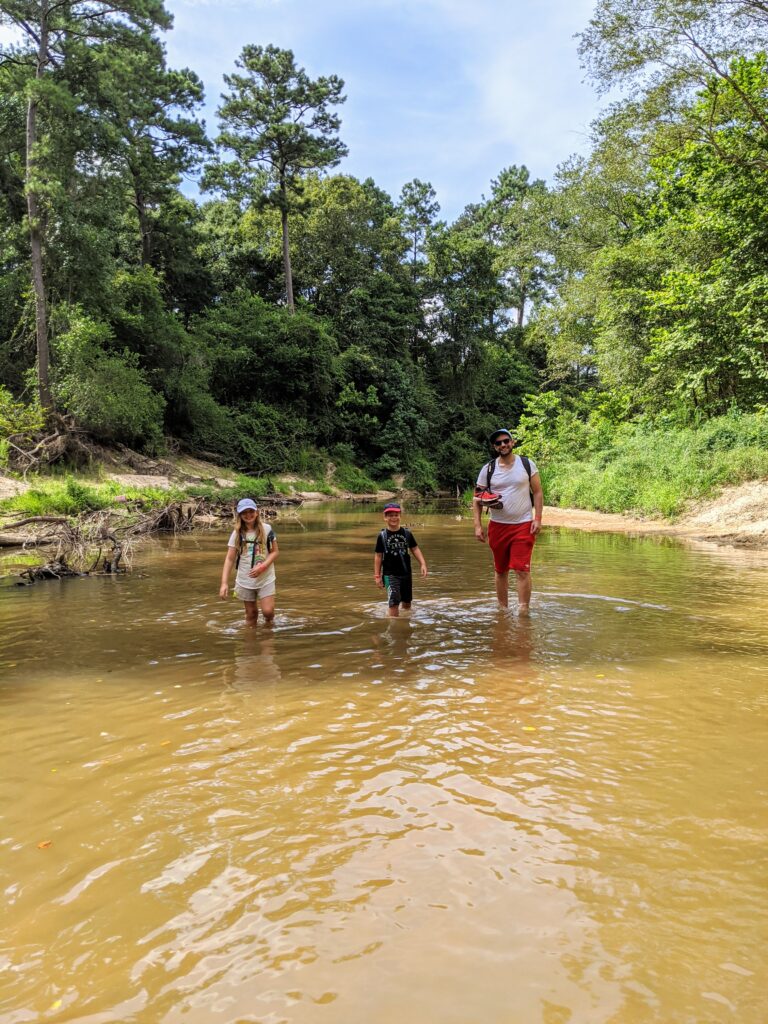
449	91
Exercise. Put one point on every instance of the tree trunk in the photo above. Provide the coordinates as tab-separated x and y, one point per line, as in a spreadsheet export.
145	227
35	226
287	260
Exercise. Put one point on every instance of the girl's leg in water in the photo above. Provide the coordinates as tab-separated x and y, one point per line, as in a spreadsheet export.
268	609
251	613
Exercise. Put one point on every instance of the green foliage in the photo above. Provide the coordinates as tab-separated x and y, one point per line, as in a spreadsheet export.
641	466
350	478
18	423
422	475
632	293
106	391
67	497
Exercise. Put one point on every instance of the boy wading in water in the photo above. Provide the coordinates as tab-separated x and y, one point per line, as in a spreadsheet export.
514	481
253	548
392	561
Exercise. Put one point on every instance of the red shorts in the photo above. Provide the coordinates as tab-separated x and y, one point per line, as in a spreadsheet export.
512	544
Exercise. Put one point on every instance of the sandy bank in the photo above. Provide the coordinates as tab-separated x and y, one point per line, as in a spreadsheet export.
738	515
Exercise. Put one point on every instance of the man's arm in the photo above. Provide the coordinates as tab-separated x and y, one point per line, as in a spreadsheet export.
538	503
477	511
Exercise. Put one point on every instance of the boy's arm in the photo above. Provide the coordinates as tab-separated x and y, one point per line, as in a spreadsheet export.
377	560
416	552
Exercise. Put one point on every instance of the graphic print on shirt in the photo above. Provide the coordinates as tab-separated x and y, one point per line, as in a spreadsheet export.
253	549
394	545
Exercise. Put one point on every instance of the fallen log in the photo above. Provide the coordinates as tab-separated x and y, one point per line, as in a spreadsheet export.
11	540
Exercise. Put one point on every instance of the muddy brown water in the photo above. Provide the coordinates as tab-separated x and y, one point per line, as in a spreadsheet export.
454	817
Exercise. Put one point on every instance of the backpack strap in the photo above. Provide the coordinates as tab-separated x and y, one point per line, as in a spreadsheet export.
489	470
527	466
265	530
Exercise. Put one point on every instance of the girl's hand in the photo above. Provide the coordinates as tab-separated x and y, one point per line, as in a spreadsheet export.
257	570
223	591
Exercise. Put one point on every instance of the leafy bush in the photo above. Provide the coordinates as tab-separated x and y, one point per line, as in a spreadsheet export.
350	478
653	467
422	476
107	392
18	421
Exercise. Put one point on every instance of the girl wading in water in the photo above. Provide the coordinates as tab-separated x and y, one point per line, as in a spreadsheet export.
253	550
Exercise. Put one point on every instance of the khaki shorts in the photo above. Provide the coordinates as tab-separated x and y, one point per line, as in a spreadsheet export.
255	593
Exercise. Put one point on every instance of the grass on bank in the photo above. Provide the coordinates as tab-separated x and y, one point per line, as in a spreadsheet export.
654	470
70	496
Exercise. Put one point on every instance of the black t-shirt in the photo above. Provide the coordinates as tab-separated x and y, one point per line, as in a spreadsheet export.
397	560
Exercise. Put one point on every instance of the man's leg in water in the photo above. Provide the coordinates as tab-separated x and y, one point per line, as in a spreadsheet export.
523	591
502	589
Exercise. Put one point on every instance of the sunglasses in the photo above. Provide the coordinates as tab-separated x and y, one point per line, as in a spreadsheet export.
501	441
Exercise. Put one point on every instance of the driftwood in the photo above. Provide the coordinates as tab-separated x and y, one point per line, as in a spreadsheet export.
102	542
27	540
64	440
55	570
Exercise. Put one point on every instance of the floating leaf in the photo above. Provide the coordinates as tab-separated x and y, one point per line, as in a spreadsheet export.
44	844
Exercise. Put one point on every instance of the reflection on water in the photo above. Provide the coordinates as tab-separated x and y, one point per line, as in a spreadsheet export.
455	815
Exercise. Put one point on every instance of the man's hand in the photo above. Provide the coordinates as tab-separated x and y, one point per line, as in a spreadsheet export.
480	534
535	526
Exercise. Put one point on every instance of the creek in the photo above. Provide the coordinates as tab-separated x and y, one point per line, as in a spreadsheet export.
451	817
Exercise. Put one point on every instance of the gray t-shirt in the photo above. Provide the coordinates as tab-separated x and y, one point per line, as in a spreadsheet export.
255	549
514	487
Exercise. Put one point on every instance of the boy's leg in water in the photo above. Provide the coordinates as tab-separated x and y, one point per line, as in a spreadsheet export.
406	593
251	613
268	609
523	591
392	584
502	589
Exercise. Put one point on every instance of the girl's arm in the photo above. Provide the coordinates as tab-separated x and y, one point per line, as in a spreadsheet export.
229	561
377	560
261	567
416	552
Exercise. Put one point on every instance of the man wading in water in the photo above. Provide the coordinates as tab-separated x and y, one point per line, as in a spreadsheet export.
507	485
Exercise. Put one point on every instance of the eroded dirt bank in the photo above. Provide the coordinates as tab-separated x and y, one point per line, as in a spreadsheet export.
738	515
